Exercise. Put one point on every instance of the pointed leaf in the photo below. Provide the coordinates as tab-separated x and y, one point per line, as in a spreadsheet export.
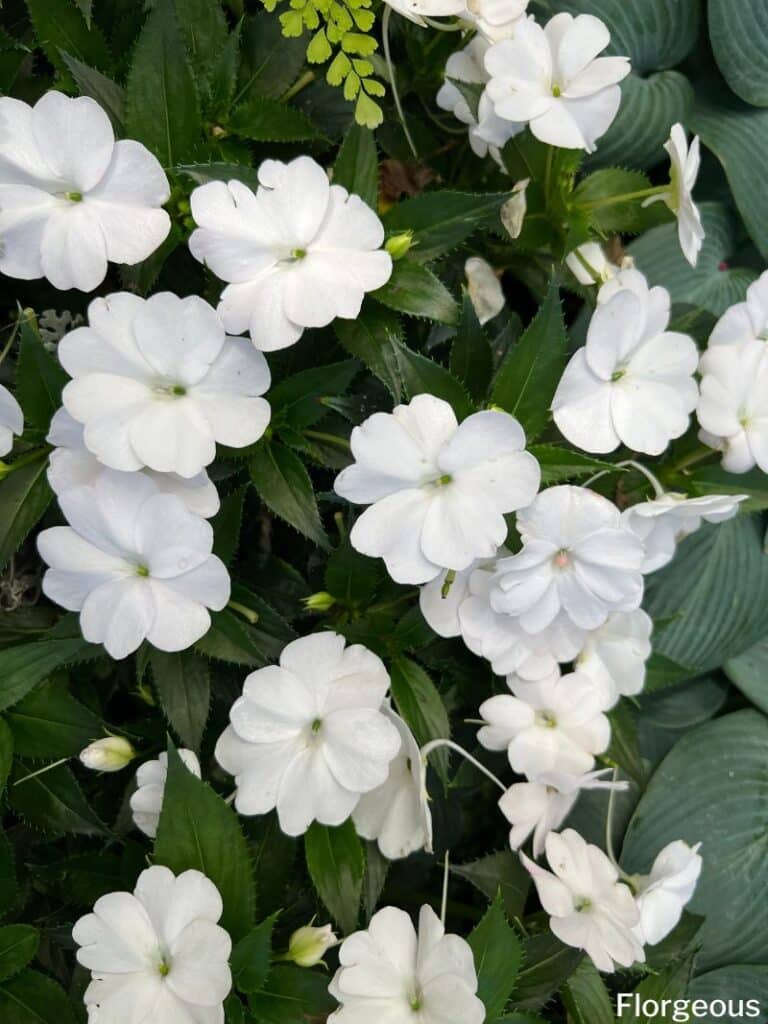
336	863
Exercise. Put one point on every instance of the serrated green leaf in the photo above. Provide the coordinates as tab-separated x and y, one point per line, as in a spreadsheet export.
528	377
292	995
232	638
442	220
163	110
33	998
471	357
204	28
18	945
91	82
8	886
350	577
547	965
586	998
498	953
299	400
53	801
6	753
738	30
49	722
24	496
421	706
613	181
59	25
357	165
263	119
24	666
561	464
422	375
499	873
336	863
39	379
415	290
183	684
251	956
284	485
375	338
269	62
658	995
199	830
227	524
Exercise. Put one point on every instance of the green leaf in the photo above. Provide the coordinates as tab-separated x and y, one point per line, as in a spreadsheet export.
6	753
499	873
421	375
301	400
749	672
414	289
586	998
283	484
54	802
163	110
49	722
528	377
716	480
99	87
711	603
204	28
749	981
23	667
471	357
352	578
712	787
227	524
201	174
18	945
183	684
547	965
498	952
738	31
442	220
8	886
625	748
59	25
613	181
420	704
32	998
336	864
24	497
251	957
198	830
561	464
39	379
375	338
711	284
658	995
292	995
649	107
357	165
264	119
234	639
738	136
270	62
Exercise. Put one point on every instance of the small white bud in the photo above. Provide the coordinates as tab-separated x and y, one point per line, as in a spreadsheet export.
108	755
484	289
308	945
514	210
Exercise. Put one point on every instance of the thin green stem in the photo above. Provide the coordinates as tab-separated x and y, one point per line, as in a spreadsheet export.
318	435
454	26
652	480
301	83
697	455
247	613
609	824
42	771
34	456
393	80
627	197
437	744
446	873
548	172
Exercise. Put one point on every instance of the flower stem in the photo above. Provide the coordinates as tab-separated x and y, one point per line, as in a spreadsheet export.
42	771
609	824
548	172
247	613
653	481
301	83
626	197
436	744
697	455
393	80
441	26
319	435
33	456
446	873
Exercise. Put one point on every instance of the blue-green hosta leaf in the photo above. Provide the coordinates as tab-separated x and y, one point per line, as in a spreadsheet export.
737	982
749	672
712	787
738	31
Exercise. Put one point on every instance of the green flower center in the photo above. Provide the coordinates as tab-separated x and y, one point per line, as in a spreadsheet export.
74	197
142	570
556	91
317	725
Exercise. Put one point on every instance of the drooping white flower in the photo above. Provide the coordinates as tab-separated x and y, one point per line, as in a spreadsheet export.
514	210
418	10
487	132
664	521
495	19
484	287
396	814
745	321
135	563
579	562
72	465
147	800
614	656
438	491
554	724
684	171
110	754
297	253
157	954
308	736
308	945
588	907
541	806
663	894
11	420
553	79
633	382
733	408
389	973
158	383
71	198
589	264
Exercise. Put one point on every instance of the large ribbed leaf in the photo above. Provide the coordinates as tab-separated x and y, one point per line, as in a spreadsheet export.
738	30
745	981
711	603
750	673
713	787
712	285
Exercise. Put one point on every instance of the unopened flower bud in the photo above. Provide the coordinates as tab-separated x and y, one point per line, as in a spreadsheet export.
398	245
514	210
308	945
484	289
108	755
322	601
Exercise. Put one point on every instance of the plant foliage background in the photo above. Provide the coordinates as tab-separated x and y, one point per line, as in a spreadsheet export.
212	89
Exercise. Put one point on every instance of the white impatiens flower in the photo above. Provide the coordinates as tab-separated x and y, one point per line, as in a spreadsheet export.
663	894
135	563
589	264
438	490
397	814
745	321
158	383
484	287
664	521
297	253
147	801
390	973
684	171
541	806
553	79
579	562
11	420
554	724
418	10
614	656
588	907
733	408
72	465
495	19
156	954
71	198
487	132
308	736
633	382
